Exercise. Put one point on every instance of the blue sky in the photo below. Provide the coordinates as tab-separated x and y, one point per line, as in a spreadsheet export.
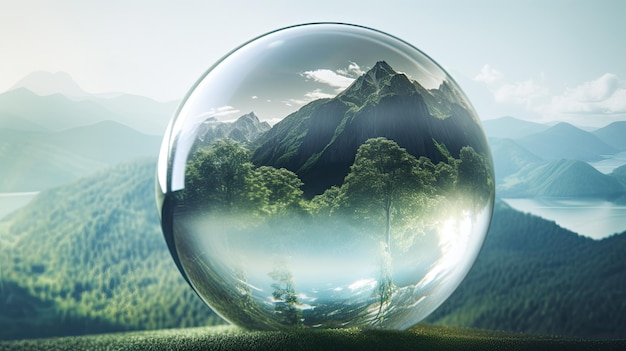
536	60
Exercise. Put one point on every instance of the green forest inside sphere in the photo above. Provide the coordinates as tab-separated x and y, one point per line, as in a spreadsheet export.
325	176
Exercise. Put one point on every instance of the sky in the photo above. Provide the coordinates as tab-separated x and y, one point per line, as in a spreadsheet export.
535	60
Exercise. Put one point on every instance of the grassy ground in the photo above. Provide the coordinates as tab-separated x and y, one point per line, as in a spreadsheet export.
421	337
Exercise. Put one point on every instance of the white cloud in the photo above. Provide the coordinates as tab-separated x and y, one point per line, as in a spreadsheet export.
353	70
488	75
328	77
254	97
338	80
308	97
522	98
596	90
222	111
604	95
526	93
603	98
317	94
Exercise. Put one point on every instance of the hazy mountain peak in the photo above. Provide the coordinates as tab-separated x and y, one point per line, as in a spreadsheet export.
244	129
381	70
253	120
47	83
250	116
564	126
325	134
379	80
613	134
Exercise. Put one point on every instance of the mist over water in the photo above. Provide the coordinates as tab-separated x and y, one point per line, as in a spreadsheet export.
610	163
331	270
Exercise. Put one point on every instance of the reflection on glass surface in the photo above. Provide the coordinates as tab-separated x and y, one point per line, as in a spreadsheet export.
325	175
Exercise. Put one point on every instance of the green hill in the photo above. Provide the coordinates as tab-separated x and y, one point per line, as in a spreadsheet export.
562	178
90	257
536	277
421	337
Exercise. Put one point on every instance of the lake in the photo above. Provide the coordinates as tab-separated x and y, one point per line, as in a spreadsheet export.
611	162
10	202
596	219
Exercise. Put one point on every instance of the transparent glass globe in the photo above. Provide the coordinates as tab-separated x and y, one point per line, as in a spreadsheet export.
324	176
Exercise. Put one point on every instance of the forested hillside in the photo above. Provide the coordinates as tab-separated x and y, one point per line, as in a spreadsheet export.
90	257
535	277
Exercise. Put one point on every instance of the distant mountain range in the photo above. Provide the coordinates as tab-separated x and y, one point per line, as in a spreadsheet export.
89	257
535	160
565	141
511	128
509	157
22	109
49	140
245	129
559	141
47	83
37	160
613	134
319	141
562	178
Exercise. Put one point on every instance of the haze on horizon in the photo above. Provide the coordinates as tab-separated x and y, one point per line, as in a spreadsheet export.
561	60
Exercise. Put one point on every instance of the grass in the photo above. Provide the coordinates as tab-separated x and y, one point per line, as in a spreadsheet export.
421	337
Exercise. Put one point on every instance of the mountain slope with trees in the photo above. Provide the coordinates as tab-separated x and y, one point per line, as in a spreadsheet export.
319	141
90	257
535	277
562	178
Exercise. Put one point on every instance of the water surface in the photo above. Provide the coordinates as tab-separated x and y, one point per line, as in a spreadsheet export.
593	218
611	162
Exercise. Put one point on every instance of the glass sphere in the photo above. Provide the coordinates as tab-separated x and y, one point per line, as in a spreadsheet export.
325	176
